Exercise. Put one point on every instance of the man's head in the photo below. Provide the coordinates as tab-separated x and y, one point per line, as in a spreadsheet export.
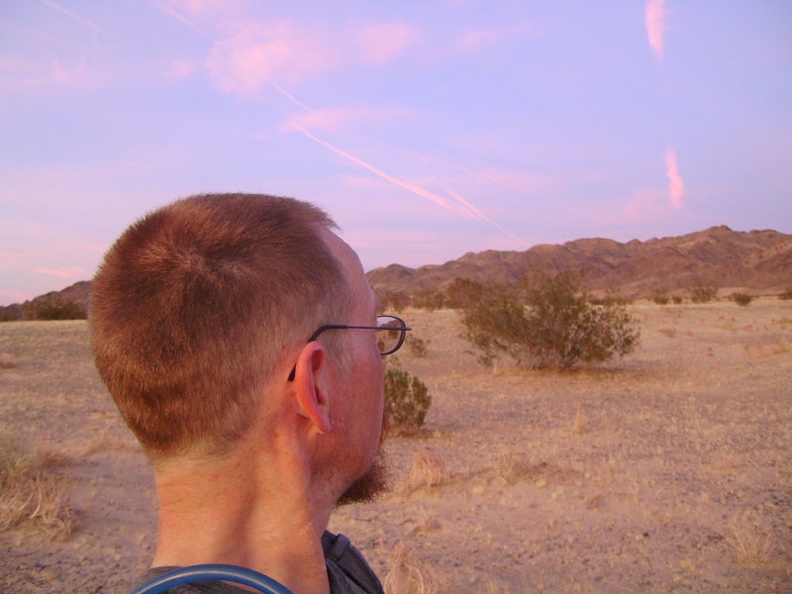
197	304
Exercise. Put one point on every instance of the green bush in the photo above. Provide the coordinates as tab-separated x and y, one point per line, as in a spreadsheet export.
703	293
407	400
51	307
559	328
743	299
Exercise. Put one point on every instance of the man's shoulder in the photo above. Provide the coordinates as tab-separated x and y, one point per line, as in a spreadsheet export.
347	569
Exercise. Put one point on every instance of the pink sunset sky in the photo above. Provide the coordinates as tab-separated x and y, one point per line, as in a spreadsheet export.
427	129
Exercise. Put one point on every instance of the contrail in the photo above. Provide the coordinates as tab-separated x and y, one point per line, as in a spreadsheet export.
178	16
483	217
70	14
292	98
439	200
464	207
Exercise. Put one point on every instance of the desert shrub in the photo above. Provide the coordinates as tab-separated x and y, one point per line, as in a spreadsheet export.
661	297
10	313
392	300
463	292
703	292
52	307
31	492
417	346
743	299
558	329
677	299
407	400
429	299
786	295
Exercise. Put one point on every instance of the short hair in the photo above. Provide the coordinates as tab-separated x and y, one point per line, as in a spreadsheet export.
194	306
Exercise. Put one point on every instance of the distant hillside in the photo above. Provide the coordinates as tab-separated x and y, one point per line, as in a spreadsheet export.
78	293
757	261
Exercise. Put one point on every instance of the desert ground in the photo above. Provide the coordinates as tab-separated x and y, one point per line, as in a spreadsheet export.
667	471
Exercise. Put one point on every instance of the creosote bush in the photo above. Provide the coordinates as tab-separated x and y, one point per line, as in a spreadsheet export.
429	299
703	292
52	307
391	300
661	297
407	400
558	329
417	346
743	299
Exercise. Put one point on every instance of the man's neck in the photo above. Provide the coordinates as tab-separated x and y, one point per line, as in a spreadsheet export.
229	512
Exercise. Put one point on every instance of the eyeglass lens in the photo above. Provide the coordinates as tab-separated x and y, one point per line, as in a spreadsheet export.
389	340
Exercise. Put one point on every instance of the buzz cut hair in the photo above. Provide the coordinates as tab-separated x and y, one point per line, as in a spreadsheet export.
196	305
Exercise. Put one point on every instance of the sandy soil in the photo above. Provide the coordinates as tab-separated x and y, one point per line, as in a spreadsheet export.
638	477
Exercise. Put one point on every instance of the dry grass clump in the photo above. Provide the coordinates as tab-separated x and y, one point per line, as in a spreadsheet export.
759	350
425	473
407	575
494	588
510	469
31	492
7	361
580	424
751	541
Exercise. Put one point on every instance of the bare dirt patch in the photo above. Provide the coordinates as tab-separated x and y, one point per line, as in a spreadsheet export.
669	471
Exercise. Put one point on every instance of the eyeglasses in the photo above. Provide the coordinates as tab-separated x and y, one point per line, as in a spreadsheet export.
390	334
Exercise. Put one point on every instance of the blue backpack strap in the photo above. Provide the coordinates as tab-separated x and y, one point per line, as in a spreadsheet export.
211	572
339	550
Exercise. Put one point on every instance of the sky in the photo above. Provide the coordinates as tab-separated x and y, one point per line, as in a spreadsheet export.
426	129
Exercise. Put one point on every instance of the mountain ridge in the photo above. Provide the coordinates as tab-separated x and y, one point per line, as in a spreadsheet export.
758	261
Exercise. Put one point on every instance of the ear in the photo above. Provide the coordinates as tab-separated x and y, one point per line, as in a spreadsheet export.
311	384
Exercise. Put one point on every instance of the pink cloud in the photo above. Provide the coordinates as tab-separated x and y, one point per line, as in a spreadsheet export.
70	272
676	187
260	55
21	74
655	26
484	38
8	296
180	68
380	43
